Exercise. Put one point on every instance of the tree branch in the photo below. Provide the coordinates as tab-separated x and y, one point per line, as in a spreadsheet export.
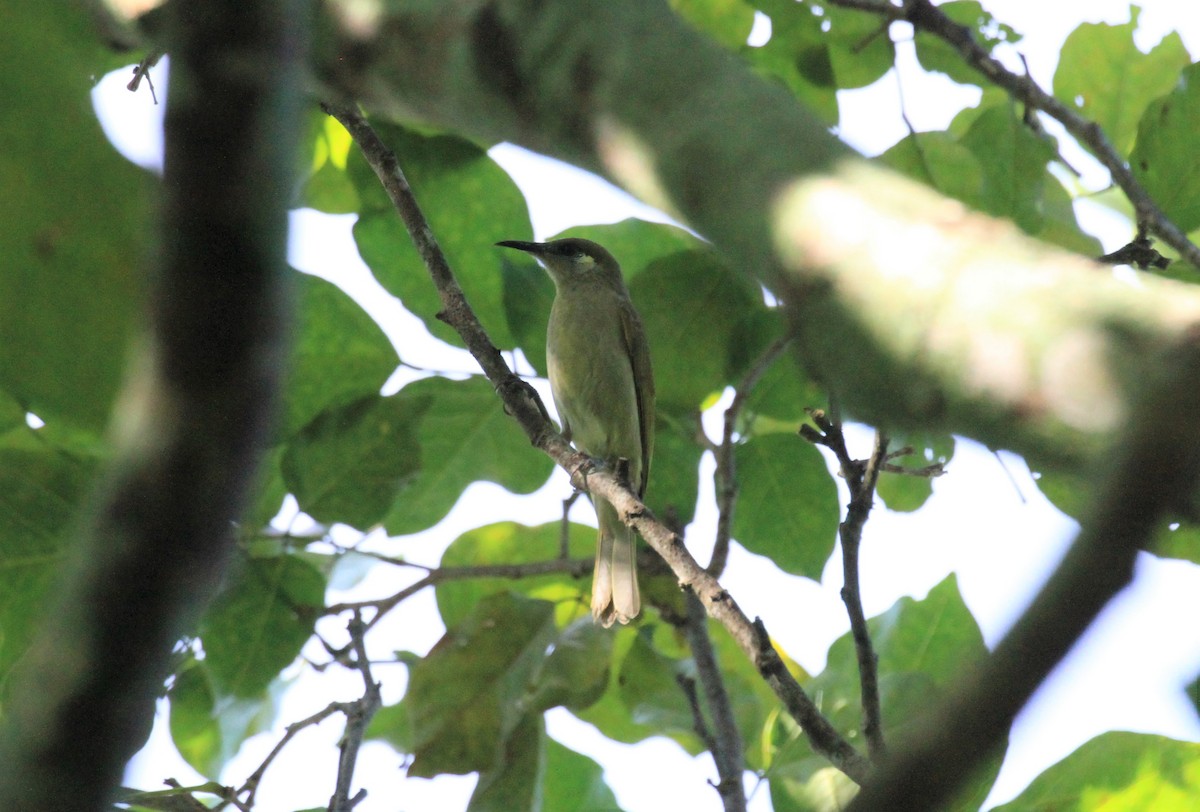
725	740
1155	466
522	402
193	417
358	716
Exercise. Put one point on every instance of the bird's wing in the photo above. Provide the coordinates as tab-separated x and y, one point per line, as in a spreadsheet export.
643	379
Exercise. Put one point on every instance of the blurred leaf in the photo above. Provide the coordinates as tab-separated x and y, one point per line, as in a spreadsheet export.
12	414
572	782
1179	541
1164	157
727	21
691	305
1105	77
464	436
1118	772
1068	492
257	626
787	503
784	391
76	219
470	203
340	354
468	695
40	489
327	187
650	689
350	463
797	55
860	48
513	543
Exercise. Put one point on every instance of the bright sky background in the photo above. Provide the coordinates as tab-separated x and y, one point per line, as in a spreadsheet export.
987	522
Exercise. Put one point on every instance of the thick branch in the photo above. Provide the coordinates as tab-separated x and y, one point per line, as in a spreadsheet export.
521	401
192	420
1157	464
916	314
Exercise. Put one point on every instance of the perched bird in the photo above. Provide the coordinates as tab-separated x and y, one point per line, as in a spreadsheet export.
603	388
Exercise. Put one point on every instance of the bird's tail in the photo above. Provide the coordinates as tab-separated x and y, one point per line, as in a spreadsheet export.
615	595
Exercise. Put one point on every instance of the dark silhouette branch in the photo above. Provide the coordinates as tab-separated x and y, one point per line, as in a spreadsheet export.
358	716
193	419
861	477
521	401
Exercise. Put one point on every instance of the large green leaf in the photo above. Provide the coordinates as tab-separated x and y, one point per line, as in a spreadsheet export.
467	696
75	222
470	203
1164	158
727	21
922	648
513	543
464	436
257	626
575	673
350	463
340	353
1118	772
1109	80
40	489
691	306
787	504
674	471
941	162
515	780
798	56
1014	162
573	782
208	729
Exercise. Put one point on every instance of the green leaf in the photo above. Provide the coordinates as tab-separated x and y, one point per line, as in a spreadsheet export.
1119	772
576	671
1164	159
1014	161
922	648
935	54
784	391
941	162
12	414
1179	541
350	463
610	714
468	696
691	306
515	782
340	354
908	492
209	730
470	203
572	782
650	690
328	188
675	471
787	503
465	436
40	489
513	543
860	48
1105	77
75	222
798	56
727	21
528	295
257	626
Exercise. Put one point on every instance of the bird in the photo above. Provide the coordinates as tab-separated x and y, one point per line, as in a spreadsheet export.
603	388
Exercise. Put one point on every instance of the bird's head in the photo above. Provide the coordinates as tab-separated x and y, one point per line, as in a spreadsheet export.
571	261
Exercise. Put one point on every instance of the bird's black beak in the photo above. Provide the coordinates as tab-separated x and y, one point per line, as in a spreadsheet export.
534	248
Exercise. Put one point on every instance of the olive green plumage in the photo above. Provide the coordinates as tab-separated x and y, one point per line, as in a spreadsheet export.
603	388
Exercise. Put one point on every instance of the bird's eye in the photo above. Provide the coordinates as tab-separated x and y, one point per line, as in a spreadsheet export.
578	256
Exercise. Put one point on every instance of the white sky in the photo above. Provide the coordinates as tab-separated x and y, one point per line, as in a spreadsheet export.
988	524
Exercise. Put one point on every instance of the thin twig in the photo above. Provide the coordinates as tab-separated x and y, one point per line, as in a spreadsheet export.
861	479
522	402
925	16
564	535
725	477
725	740
250	786
358	716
